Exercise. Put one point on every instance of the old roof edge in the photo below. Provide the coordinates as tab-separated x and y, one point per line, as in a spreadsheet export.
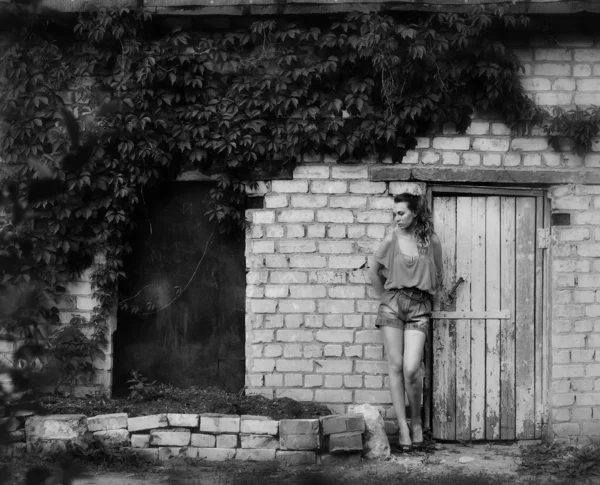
297	7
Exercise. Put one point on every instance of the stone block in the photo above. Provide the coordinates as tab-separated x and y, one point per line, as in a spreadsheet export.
342	423
299	442
168	452
227	441
140	441
170	438
183	420
145	423
255	454
148	454
345	442
258	425
298	426
105	422
296	457
49	431
216	454
113	438
17	436
258	441
201	440
219	423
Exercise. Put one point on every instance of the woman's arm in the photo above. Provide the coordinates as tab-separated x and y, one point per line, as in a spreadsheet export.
375	268
375	276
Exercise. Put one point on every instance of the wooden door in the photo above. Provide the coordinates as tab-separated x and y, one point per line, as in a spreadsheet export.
486	346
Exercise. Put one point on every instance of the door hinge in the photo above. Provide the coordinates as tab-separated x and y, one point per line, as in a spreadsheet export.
543	238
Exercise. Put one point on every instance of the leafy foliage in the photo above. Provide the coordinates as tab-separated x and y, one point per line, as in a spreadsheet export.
561	460
146	101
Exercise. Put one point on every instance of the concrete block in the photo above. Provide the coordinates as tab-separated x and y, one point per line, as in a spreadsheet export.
345	442
201	440
148	454
140	441
183	420
258	425
258	441
227	441
296	457
342	423
144	423
105	422
298	426
54	429
255	454
113	438
299	442
216	454
170	438
168	452
219	423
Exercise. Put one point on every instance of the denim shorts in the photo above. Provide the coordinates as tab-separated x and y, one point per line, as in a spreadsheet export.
406	308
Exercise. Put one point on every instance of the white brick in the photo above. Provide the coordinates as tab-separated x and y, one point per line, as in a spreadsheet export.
342	336
261	306
309	201
263	217
367	187
529	144
328	187
491	144
333	395
554	99
142	423
170	438
107	422
227	441
587	99
297	306
588	84
297	261
289	186
532	159
258	425
290	365
430	157
450	158
179	420
551	69
472	159
377	217
553	54
348	202
566	84
259	247
315	231
349	172
140	440
202	440
294	230
336	231
476	128
294	335
216	454
297	246
79	288
261	365
335	247
448	143
289	215
587	55
336	306
86	303
335	215
347	262
307	291
219	423
311	172
275	201
492	159
582	70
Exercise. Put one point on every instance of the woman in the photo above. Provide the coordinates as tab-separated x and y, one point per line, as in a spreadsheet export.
406	273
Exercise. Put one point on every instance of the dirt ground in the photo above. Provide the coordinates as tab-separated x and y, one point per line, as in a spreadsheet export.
493	459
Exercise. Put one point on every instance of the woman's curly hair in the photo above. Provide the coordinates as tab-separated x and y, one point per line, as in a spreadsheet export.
423	221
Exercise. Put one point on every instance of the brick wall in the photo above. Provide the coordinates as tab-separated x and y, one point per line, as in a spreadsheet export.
310	311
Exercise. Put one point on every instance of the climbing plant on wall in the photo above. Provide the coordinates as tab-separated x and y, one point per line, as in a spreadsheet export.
148	101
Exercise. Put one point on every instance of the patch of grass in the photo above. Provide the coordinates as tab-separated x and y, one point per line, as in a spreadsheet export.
561	460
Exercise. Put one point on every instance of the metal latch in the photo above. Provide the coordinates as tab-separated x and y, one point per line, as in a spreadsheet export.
543	238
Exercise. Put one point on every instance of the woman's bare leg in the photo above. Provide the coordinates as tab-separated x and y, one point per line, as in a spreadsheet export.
414	345
393	339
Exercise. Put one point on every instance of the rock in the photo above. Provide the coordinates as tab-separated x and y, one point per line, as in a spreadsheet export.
54	431
219	423
144	423
227	441
466	459
202	440
113	438
342	423
345	442
259	441
170	438
183	420
105	422
258	425
299	442
375	441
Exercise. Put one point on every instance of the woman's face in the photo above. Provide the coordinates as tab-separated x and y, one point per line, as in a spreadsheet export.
403	216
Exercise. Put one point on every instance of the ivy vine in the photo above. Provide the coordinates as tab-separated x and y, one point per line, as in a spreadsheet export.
148	101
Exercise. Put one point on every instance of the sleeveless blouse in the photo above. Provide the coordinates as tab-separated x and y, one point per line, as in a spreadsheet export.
402	271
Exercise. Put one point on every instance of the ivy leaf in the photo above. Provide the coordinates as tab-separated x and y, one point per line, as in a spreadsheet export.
72	126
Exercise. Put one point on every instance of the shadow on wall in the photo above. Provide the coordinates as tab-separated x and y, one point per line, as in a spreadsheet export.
195	338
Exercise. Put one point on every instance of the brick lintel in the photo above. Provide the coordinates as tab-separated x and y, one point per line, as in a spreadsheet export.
481	175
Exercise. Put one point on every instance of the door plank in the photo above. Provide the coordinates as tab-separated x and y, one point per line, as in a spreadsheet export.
539	323
464	224
507	327
444	408
525	318
492	326
477	279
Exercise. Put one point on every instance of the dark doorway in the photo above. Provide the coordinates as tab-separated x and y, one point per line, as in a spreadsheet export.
196	339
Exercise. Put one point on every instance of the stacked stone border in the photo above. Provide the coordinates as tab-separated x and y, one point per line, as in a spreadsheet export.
209	437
